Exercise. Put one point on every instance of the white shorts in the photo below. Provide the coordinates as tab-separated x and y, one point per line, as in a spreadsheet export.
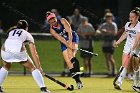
14	56
127	48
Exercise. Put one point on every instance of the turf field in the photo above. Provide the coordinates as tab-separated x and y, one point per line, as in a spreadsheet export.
26	84
52	60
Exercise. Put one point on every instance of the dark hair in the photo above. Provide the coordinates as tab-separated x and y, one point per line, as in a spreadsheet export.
12	28
136	11
48	13
22	24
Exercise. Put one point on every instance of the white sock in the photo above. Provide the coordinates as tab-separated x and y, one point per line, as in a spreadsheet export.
136	77
38	78
3	75
122	75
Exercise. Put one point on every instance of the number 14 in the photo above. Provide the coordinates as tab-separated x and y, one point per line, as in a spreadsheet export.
17	32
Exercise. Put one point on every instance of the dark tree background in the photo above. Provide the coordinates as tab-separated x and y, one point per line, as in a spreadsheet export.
36	9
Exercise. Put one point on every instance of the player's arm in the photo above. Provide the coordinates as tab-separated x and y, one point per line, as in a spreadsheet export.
68	29
34	53
123	36
60	38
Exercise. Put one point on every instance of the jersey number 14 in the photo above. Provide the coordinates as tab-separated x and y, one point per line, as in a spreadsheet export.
17	32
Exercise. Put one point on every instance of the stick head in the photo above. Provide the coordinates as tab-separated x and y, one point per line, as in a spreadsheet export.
70	88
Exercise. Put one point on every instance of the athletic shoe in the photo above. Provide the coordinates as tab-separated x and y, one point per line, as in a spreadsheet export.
130	76
117	86
1	91
136	88
79	85
44	90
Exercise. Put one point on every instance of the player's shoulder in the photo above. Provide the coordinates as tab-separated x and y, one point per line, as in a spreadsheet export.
127	23
16	29
138	24
25	32
63	20
22	30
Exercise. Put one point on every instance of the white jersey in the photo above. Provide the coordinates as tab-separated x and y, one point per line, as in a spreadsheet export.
13	45
16	38
131	33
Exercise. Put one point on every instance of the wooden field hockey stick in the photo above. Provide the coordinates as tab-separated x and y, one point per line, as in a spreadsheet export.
60	83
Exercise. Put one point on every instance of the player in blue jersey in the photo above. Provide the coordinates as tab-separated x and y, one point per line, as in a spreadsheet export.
62	31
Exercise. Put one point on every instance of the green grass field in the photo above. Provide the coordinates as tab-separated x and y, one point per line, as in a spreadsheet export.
52	59
26	84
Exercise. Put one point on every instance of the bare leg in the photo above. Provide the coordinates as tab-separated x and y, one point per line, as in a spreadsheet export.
122	73
35	73
67	59
73	64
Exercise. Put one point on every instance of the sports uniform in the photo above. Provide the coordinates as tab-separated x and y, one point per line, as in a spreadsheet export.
12	49
75	70
64	34
131	34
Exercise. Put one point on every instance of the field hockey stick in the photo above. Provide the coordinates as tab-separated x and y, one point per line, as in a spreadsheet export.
57	81
121	69
60	83
95	54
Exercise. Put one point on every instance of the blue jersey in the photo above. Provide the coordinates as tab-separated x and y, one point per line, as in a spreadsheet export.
62	32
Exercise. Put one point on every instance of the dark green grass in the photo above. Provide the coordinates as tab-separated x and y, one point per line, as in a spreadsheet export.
26	84
52	60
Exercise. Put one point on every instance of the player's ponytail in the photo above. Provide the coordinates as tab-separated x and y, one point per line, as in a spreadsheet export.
12	28
136	11
22	24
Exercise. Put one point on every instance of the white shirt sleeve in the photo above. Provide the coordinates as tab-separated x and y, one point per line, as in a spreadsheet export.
138	27
29	38
126	25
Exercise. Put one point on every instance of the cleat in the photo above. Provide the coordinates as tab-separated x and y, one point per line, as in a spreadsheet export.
130	76
136	88
44	90
79	85
117	86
